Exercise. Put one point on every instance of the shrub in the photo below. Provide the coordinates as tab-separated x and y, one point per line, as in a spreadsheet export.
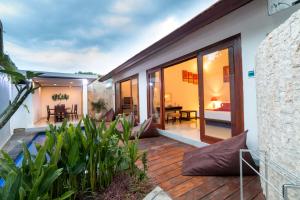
73	162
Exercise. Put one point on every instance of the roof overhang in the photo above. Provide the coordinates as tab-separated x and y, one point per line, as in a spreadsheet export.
62	79
211	14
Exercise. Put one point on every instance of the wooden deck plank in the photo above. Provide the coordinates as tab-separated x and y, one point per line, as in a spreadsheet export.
164	168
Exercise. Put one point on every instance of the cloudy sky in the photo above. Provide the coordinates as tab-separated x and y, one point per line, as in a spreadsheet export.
92	35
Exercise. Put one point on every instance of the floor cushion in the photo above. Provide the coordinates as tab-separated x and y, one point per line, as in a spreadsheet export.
219	159
110	115
145	130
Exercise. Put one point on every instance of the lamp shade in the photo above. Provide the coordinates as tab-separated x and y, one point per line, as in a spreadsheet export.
214	99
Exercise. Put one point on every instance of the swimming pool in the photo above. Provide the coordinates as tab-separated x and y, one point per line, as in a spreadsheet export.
38	138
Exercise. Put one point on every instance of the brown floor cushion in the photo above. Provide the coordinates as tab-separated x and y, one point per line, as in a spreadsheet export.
145	130
219	159
110	115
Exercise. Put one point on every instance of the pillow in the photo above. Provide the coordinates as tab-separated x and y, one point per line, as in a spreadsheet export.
109	116
219	159
148	130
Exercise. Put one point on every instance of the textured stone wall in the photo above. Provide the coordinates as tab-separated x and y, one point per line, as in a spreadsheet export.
98	90
278	100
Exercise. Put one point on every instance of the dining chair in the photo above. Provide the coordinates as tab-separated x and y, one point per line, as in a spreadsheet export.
49	113
75	111
70	113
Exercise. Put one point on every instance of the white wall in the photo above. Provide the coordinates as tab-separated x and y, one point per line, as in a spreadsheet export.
4	100
36	101
252	22
75	97
22	118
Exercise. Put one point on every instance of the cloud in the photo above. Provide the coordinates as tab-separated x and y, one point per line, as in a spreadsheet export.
8	10
88	59
89	33
127	6
115	21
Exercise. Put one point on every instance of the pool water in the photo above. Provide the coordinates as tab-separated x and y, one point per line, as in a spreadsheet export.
38	138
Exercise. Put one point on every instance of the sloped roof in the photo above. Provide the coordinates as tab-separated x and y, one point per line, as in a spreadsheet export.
211	14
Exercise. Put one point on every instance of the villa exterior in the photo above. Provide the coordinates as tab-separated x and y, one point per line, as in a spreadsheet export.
230	30
33	114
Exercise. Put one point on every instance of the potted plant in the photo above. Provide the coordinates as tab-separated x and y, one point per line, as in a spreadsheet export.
99	107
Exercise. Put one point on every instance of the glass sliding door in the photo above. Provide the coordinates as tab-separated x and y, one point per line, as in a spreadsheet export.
155	102
127	99
217	94
221	91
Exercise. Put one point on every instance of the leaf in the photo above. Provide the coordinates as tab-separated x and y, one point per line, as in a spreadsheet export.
50	175
30	74
66	195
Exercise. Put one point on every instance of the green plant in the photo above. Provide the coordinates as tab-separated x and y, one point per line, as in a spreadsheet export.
99	105
22	82
34	179
73	161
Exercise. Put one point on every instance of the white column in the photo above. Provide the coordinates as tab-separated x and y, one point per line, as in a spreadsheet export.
84	97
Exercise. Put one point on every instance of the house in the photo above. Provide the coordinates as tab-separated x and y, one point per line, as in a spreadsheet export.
198	82
33	114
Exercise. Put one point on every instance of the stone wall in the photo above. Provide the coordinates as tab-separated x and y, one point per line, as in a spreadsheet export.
278	100
97	90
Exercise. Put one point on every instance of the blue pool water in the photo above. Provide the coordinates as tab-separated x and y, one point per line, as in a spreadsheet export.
38	138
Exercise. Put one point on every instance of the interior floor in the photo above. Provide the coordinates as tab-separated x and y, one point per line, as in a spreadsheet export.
43	122
191	129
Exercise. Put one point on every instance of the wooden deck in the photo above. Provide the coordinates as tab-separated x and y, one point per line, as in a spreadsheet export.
165	160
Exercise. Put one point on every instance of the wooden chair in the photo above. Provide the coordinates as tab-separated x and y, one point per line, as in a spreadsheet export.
60	113
127	105
49	113
75	111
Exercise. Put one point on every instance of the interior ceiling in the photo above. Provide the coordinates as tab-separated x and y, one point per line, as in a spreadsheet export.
58	82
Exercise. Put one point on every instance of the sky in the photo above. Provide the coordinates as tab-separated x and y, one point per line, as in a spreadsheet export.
93	35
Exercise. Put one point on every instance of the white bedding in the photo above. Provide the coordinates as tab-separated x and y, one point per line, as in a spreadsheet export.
217	115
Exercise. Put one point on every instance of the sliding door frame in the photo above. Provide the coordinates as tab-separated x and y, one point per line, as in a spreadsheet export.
236	83
233	44
135	76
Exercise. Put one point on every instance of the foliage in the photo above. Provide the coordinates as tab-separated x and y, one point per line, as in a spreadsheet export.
34	179
22	82
99	105
73	162
60	97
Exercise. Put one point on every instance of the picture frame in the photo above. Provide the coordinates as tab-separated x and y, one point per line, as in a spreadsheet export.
190	77
195	79
226	74
185	76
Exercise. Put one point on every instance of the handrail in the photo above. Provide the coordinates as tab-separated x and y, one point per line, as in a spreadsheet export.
294	180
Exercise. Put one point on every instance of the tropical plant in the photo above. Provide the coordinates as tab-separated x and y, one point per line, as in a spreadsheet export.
35	178
73	162
99	105
22	82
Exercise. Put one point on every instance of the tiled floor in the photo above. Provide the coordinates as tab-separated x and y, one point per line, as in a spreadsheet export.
191	129
43	122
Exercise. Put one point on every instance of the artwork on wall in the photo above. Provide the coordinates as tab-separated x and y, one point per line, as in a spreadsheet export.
190	77
185	76
60	97
226	77
195	79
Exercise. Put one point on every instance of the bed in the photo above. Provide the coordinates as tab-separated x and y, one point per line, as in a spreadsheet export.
220	115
